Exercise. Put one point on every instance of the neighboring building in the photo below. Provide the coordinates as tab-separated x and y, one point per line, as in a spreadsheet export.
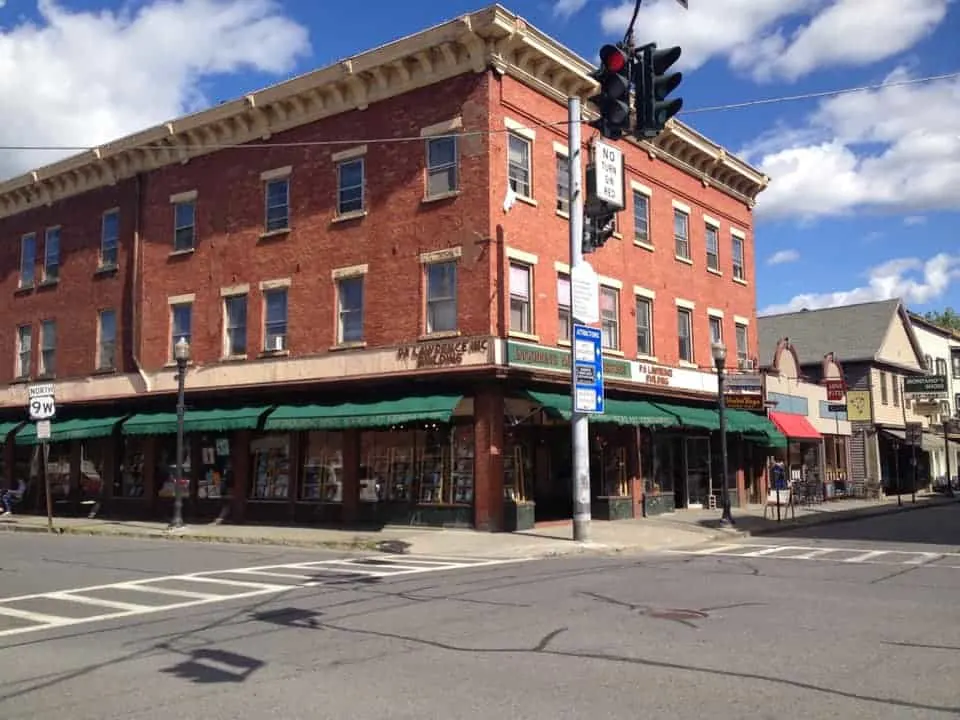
941	356
322	269
876	346
818	434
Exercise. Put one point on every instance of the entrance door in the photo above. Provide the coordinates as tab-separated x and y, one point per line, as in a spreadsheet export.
698	461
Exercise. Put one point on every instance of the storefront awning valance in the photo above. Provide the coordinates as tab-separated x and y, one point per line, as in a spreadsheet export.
6	428
420	408
694	417
795	427
619	412
195	421
75	429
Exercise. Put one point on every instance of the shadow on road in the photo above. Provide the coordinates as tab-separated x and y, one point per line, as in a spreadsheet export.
215	666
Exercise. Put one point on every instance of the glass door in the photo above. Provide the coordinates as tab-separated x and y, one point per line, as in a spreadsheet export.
698	471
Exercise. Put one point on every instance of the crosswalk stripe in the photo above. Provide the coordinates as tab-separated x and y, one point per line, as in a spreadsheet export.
33	616
721	549
767	551
926	557
270	573
146	587
865	556
811	554
84	600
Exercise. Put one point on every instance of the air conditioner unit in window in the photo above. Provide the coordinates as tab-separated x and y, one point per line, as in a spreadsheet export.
277	343
747	364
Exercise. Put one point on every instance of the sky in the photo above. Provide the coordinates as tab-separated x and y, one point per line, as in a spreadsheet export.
864	199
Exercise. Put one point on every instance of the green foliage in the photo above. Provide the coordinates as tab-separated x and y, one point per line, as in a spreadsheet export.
947	318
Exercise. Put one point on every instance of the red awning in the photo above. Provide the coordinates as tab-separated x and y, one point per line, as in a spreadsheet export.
795	427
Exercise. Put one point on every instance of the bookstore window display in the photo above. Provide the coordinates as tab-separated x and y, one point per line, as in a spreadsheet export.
610	459
131	467
93	462
58	469
216	468
517	470
430	465
270	467
322	477
166	467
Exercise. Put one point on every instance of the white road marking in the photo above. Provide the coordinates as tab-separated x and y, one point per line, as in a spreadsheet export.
770	551
864	556
384	567
923	558
811	554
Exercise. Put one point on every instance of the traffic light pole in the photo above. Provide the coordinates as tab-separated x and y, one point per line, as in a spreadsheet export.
579	422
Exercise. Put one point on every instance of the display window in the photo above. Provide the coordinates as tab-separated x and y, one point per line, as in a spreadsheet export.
216	468
322	476
166	466
93	464
270	467
132	480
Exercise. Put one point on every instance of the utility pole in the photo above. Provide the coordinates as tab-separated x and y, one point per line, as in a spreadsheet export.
579	422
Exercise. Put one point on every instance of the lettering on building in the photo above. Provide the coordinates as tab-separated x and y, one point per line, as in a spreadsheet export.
655	375
441	354
551	359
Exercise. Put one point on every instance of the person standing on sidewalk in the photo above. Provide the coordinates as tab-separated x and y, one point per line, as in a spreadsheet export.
9	497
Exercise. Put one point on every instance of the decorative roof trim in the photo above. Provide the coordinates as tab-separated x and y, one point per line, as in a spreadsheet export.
490	38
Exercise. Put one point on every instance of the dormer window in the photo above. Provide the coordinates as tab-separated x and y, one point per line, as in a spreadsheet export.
928	363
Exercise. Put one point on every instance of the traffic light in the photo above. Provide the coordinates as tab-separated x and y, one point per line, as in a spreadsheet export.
654	84
597	230
613	100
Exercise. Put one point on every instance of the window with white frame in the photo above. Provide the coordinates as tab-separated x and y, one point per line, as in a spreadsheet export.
518	165
442	164
685	334
28	260
941	367
564	316
350	186
955	358
110	239
895	389
644	326
441	280
563	184
48	347
107	339
235	325
742	345
928	363
521	310
681	233
24	350
350	309
181	324
275	319
51	255
713	248
716	329
184	225
641	218
609	318
739	271
277	204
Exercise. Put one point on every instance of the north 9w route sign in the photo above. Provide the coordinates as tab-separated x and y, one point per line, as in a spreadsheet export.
42	405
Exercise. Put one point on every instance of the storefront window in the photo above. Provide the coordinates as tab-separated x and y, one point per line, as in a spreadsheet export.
131	467
517	471
166	468
271	467
461	476
216	468
93	464
58	470
698	471
322	477
666	459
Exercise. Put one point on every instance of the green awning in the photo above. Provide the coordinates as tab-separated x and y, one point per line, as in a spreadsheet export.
64	430
195	421
773	438
420	408
702	418
619	412
743	421
6	428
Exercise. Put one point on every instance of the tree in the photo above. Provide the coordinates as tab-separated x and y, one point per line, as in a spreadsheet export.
947	318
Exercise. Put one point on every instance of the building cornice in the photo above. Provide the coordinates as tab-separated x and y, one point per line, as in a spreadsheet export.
490	38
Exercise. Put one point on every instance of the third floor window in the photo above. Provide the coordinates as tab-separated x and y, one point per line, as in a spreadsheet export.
350	309
277	202
350	186
681	234
713	248
107	340
518	165
441	166
739	270
441	281
641	218
51	255
28	260
110	239
184	225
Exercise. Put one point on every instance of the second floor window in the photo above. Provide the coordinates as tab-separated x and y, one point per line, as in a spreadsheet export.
181	324
716	329
564	317
518	165
51	255
883	388
184	225
107	341
350	186
521	311
641	218
110	239
742	346
563	184
713	248
441	281
24	351
28	260
685	334
277	199
644	326
610	318
275	320
48	347
681	234
350	309
956	364
441	166
235	325
941	367
739	272
895	389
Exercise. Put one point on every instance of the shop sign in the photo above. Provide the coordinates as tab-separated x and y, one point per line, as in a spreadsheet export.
649	374
925	385
836	389
545	358
449	353
744	401
744	384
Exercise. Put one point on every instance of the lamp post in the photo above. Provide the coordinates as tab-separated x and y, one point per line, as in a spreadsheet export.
181	353
719	351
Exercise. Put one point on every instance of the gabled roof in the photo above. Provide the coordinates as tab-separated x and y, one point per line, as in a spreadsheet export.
855	333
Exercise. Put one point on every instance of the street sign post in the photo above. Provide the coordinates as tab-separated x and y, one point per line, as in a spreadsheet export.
914	435
587	370
42	408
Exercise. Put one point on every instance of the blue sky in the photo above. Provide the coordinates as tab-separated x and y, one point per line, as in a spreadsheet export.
865	197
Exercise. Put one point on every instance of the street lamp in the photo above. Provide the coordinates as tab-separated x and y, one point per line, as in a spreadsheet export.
719	351
181	353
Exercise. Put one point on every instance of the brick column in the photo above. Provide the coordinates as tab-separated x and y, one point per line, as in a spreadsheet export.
351	476
488	409
240	459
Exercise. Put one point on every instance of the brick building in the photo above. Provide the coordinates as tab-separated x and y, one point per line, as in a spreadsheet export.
374	338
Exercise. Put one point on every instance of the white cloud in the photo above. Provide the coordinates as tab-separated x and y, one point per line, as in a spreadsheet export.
911	220
567	8
783	256
914	281
894	148
80	78
755	39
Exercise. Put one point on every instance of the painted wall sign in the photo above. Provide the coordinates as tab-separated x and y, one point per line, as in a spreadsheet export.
546	358
443	353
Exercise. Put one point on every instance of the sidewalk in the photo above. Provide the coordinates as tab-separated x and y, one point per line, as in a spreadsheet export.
678	530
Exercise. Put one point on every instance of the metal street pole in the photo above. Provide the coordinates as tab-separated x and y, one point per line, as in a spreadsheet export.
916	470
896	472
726	518
181	410
946	452
46	484
579	422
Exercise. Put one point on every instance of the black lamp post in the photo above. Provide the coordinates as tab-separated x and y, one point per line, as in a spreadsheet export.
181	353
719	351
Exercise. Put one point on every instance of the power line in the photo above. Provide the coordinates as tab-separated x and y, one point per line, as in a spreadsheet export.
477	133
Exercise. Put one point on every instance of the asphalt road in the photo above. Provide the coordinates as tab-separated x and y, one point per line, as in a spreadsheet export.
655	636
